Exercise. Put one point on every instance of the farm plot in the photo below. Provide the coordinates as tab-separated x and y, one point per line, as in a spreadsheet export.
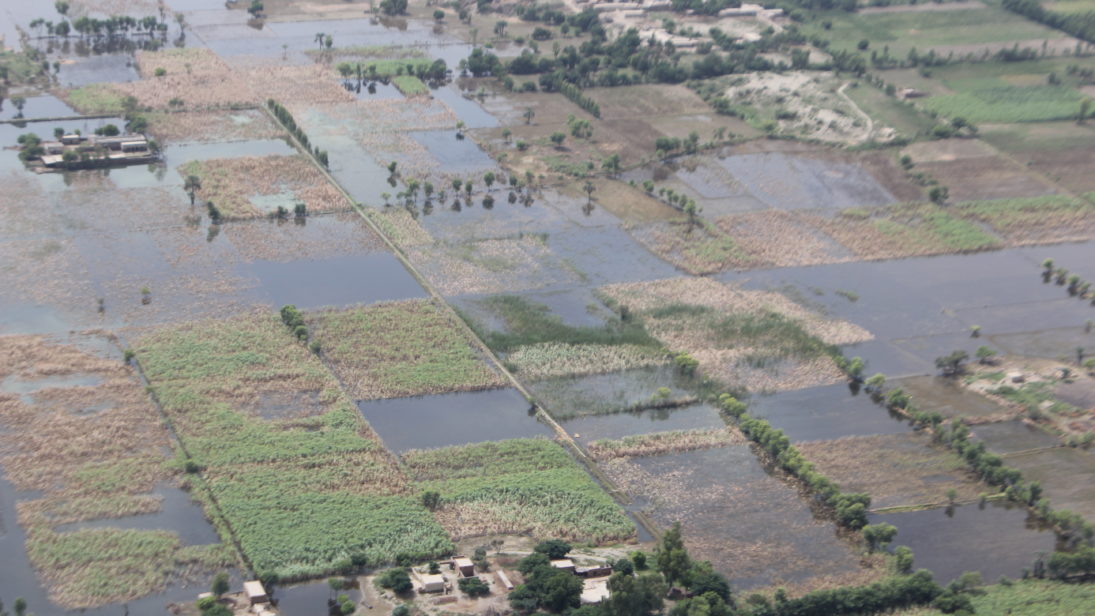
1063	152
984	178
492	266
897	470
904	231
306	493
253	186
750	525
756	339
210	126
696	247
520	486
634	390
80	430
1066	474
962	32
775	238
1037	220
399	349
539	344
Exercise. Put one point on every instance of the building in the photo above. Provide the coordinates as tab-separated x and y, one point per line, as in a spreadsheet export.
592	572
432	583
565	564
256	594
503	579
464	566
79	152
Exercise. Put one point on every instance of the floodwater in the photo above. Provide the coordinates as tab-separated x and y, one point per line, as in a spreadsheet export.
1065	474
107	67
179	515
176	154
949	397
1006	437
601	394
996	539
629	423
467	109
372	91
46	106
27	388
361	279
451	419
455	155
823	413
308	599
754	528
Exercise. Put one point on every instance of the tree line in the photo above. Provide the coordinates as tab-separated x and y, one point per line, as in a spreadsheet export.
286	119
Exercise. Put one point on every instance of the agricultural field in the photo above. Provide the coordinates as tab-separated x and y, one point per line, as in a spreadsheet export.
517	486
387	284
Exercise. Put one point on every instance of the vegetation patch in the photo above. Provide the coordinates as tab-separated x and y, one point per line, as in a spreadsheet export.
254	186
897	470
560	359
659	443
776	238
410	85
491	266
397	349
89	439
1035	220
696	247
1008	103
95	98
398	225
306	495
212	126
1025	598
903	231
521	486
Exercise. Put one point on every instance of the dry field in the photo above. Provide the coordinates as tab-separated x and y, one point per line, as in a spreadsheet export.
776	238
898	470
205	126
659	443
559	359
399	226
697	248
233	183
490	266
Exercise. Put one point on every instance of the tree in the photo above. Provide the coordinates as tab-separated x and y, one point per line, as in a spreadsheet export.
256	8
500	28
984	354
878	535
431	499
438	15
396	580
611	164
903	559
474	587
61	6
528	115
672	557
875	383
703	579
939	194
589	188
635	596
192	184
554	549
220	584
393	7
557	138
1085	107
951	364
639	558
488	179
19	103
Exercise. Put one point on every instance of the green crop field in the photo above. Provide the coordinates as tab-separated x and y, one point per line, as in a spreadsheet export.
1022	216
1026	598
520	486
305	495
410	85
900	115
400	349
926	30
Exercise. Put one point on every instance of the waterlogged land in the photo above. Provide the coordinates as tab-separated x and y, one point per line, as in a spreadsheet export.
622	243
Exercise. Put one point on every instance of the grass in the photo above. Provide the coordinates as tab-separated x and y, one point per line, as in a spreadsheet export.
560	359
902	231
95	98
305	496
1026	598
520	486
994	103
926	30
399	349
901	115
659	443
91	466
529	323
698	249
1034	218
393	67
410	85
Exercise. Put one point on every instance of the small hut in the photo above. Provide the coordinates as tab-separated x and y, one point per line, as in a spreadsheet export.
256	594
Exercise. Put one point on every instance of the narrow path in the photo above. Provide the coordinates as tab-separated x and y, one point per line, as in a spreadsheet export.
862	114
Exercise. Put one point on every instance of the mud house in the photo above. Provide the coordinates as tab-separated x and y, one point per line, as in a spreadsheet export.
432	583
79	152
256	594
464	566
565	564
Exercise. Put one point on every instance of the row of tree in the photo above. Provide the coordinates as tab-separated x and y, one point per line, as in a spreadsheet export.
850	509
286	118
1080	25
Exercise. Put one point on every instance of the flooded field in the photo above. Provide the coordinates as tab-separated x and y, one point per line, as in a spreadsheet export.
391	282
994	540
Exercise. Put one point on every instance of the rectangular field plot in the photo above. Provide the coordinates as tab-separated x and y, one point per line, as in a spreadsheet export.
896	470
1067	475
994	539
83	441
522	486
1064	152
400	349
751	526
821	413
302	491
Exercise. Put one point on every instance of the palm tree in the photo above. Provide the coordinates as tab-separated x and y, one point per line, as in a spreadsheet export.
529	114
193	184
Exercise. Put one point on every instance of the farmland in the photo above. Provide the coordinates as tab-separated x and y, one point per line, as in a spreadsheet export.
743	300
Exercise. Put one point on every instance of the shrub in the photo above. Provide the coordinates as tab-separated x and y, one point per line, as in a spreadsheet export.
396	580
474	587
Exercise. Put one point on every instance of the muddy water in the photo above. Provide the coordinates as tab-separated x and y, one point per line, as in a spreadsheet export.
754	528
949	397
995	540
454	155
37	107
1007	437
629	423
451	419
600	394
372	91
27	388
108	67
1066	474
363	278
791	182
357	171
606	254
468	110
822	413
179	514
308	599
178	153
